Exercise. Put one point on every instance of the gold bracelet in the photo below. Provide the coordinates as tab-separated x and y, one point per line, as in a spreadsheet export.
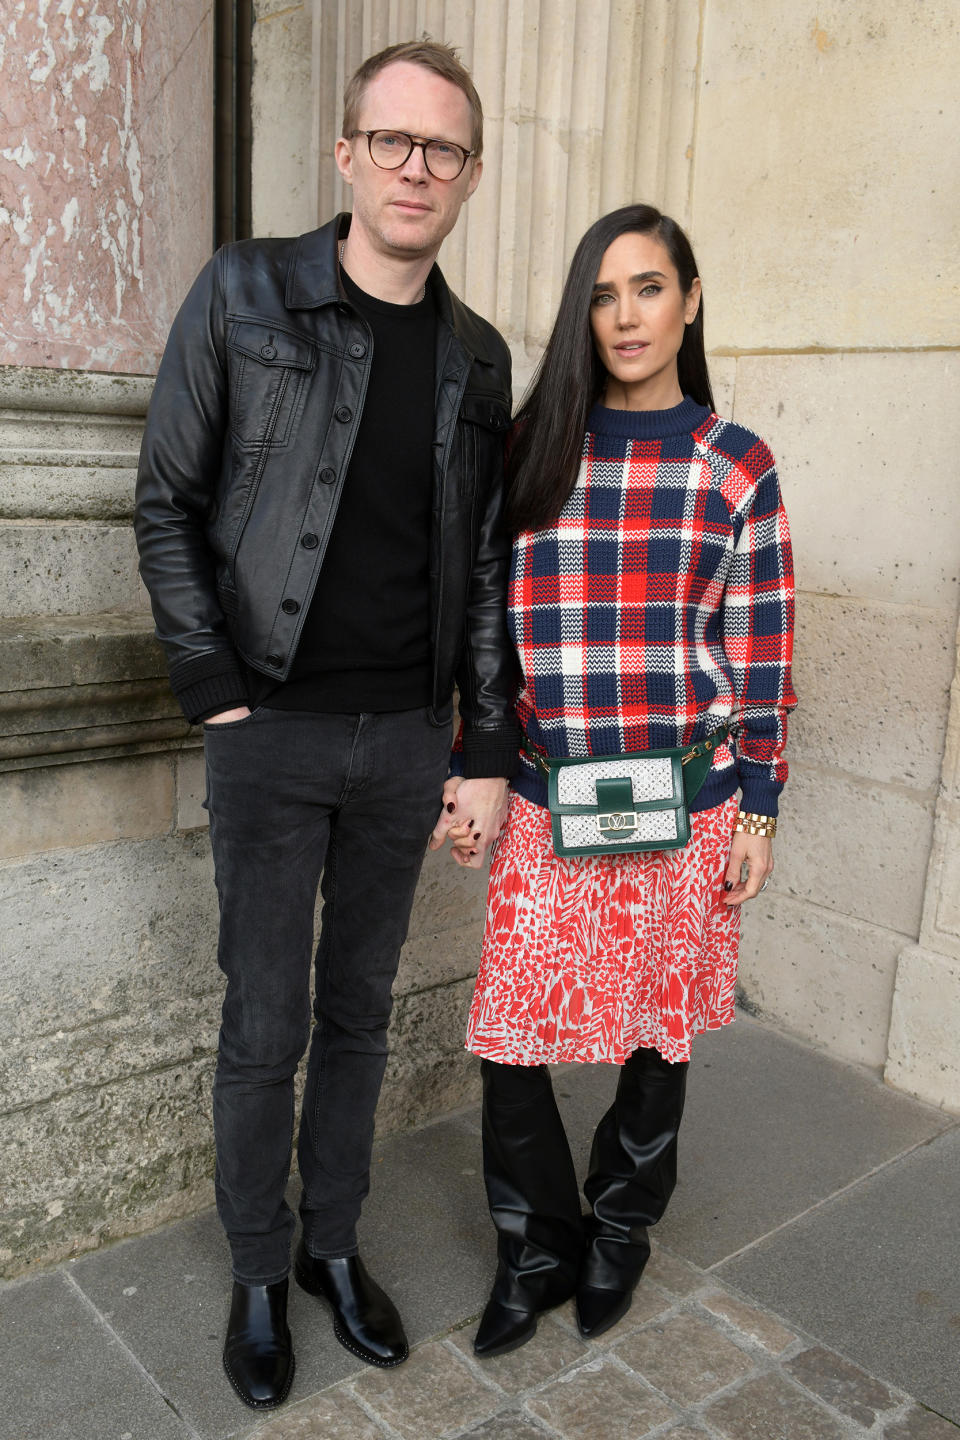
748	824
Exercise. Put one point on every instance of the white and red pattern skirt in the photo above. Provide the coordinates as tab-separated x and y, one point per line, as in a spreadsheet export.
588	958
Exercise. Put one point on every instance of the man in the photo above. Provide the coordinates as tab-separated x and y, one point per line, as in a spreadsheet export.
318	515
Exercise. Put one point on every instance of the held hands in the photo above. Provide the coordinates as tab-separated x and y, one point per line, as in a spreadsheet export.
474	812
755	852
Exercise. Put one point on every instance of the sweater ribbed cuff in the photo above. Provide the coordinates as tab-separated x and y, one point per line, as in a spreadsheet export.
211	695
490	753
759	797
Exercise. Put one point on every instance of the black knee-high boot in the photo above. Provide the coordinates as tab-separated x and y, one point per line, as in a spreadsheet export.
633	1171
534	1204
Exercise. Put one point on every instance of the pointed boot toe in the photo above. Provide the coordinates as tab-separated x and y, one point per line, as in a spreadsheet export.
258	1351
365	1319
599	1310
503	1329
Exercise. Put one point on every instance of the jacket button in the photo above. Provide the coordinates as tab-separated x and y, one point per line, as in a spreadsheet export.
290	607
357	350
343	413
269	352
327	475
275	660
309	542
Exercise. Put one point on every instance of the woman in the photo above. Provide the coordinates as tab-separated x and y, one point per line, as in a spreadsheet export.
651	600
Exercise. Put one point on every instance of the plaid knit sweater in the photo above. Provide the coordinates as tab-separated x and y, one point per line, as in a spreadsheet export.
660	603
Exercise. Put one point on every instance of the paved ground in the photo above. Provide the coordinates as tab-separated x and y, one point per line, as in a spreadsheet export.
806	1286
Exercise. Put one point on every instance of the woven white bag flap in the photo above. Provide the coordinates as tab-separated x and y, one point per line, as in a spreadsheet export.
581	832
652	779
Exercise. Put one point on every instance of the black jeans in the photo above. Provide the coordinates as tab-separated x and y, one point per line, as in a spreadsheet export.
292	795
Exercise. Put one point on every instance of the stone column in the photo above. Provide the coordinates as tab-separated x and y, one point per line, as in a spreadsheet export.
108	985
586	107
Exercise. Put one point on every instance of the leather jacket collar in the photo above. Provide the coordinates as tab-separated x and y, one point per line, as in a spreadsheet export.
313	279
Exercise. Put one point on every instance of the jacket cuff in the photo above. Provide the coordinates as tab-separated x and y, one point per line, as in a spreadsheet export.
490	753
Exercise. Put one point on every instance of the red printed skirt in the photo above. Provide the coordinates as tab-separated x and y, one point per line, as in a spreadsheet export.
588	958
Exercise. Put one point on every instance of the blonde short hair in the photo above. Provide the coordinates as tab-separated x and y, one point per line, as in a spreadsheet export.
432	55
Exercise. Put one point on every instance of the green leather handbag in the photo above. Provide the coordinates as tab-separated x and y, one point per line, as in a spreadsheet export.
621	804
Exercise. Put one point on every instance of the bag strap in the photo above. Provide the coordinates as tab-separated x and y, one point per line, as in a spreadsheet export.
696	759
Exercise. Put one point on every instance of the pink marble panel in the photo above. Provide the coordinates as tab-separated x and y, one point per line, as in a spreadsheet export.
106	185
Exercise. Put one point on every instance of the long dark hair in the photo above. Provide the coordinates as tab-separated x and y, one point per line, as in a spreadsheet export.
548	438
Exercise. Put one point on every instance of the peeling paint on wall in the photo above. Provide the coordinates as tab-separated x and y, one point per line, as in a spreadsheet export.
80	81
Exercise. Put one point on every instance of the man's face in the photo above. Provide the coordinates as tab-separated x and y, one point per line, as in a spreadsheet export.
407	212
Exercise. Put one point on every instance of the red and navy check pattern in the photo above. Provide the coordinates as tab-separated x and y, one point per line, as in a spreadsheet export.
660	602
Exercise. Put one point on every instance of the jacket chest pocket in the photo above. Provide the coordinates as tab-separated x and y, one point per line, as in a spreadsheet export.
268	369
484	422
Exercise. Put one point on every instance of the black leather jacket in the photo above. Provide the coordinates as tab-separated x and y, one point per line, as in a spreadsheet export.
247	443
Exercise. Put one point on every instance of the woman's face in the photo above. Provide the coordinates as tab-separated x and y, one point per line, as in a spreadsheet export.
638	313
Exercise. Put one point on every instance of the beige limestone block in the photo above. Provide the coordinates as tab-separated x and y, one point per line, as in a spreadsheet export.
823	976
437	958
191	791
429	1073
924	1058
282	191
107	930
866	448
723	382
174	1029
38	651
448	897
92	1164
859	849
69	443
807	233
59	806
850	652
56	568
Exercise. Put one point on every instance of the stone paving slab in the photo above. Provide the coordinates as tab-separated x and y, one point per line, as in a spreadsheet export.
433	1394
167	1295
124	1344
62	1372
876	1273
716	1368
771	1127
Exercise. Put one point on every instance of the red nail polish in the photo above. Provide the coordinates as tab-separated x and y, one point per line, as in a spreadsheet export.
728	884
451	807
476	834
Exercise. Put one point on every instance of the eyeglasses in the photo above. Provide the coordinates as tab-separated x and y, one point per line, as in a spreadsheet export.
389	149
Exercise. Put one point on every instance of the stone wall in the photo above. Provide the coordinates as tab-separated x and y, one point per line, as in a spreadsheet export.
105	205
805	152
821	214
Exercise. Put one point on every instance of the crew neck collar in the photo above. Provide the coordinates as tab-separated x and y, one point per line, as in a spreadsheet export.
648	424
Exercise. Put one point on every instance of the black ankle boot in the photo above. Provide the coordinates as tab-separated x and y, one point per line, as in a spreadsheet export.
534	1204
258	1351
365	1319
633	1171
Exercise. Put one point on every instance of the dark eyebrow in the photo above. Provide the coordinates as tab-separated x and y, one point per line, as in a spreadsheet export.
634	279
